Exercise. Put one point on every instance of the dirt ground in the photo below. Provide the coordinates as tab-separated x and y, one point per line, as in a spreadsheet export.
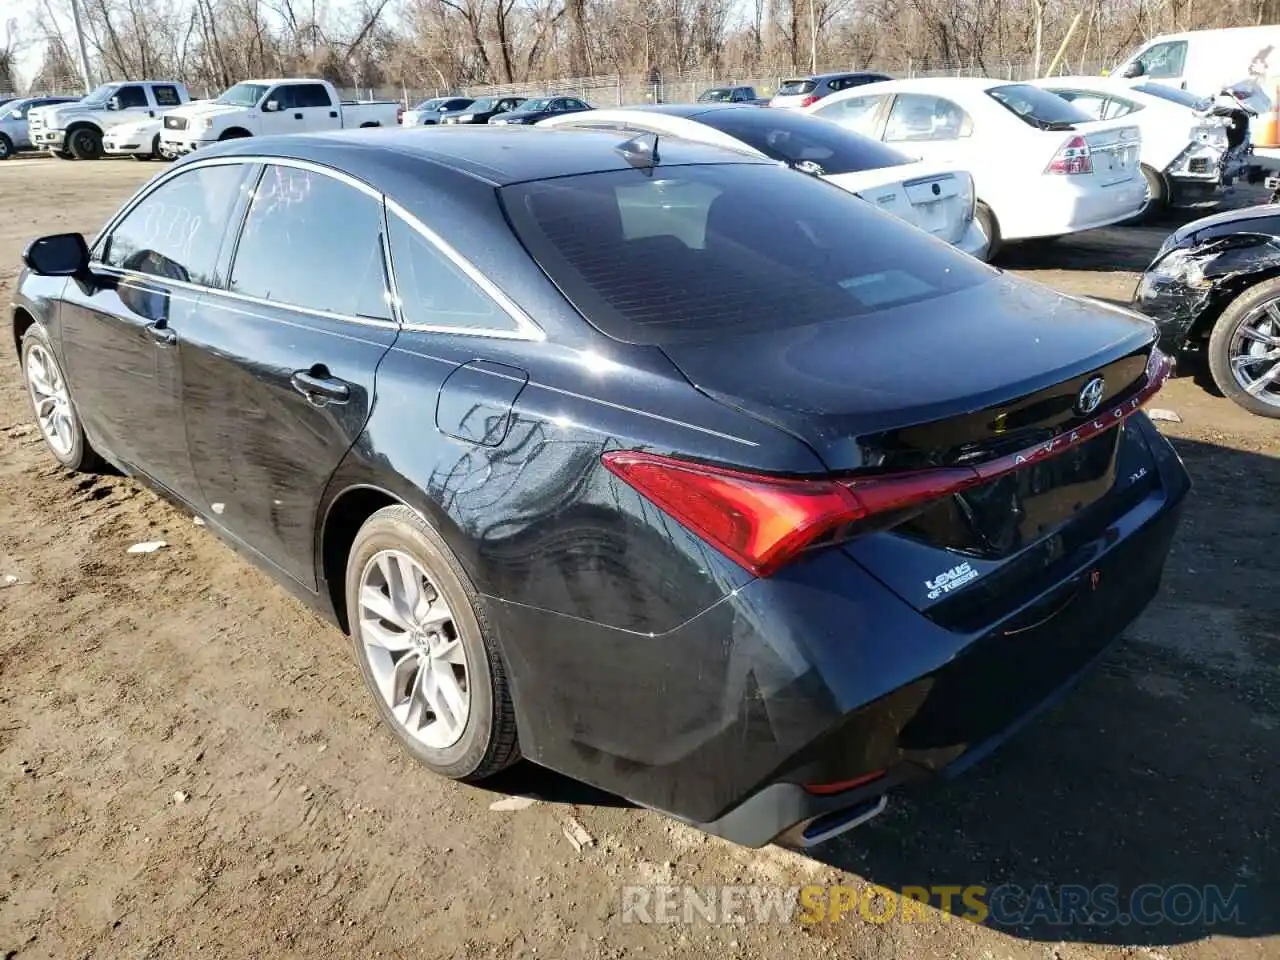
189	765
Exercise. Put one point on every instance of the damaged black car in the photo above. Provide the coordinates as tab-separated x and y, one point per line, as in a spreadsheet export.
1214	288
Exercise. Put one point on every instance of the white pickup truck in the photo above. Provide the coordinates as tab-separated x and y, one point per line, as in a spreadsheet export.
76	129
262	107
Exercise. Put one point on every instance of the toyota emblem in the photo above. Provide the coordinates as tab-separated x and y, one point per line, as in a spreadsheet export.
1090	398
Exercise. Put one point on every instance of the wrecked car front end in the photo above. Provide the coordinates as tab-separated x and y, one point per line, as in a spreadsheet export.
1202	267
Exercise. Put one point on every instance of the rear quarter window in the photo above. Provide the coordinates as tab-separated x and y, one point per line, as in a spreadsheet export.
698	252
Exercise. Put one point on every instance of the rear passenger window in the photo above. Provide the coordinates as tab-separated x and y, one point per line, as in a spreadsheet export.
859	114
433	290
166	96
917	116
311	95
176	230
313	242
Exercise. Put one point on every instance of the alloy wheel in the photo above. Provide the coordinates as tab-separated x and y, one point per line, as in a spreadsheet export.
413	649
50	400
1255	353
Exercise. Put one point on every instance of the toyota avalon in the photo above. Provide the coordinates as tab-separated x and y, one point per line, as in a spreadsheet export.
699	481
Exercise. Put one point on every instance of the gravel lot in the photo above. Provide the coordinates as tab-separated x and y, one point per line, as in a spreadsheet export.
189	765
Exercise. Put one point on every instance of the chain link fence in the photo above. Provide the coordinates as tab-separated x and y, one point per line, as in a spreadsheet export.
611	90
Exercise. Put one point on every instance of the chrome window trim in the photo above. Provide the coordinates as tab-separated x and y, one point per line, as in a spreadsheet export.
526	328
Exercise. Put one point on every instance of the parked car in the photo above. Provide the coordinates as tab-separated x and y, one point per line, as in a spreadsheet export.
539	108
75	130
260	107
485	109
432	112
1186	153
732	95
1042	167
939	200
806	91
14	134
140	140
1214	289
733	495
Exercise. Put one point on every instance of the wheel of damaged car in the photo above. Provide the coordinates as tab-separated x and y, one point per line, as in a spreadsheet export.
991	227
51	404
426	650
1157	197
1244	350
6	147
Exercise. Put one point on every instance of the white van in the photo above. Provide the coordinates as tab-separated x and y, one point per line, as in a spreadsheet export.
1205	62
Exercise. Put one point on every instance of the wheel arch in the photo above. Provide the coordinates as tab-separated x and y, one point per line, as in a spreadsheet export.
80	125
23	320
232	133
1225	293
370	123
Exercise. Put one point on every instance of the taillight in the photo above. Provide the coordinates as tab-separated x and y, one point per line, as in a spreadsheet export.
810	100
764	522
1074	157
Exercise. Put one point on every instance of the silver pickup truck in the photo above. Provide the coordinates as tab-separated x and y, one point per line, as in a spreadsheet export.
76	129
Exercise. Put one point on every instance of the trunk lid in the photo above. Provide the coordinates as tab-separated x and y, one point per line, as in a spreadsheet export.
976	378
939	203
1114	149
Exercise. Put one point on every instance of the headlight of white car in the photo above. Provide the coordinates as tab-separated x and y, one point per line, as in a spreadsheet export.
200	123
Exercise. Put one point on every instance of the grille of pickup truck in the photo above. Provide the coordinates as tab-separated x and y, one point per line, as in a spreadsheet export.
175	123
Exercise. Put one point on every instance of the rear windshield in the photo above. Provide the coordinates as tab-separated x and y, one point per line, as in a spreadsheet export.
696	252
715	95
1173	95
815	146
795	88
1040	108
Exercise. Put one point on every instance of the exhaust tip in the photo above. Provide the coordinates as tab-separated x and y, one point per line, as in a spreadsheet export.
828	826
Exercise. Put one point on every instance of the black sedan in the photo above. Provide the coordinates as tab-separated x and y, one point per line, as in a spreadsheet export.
483	110
1214	288
539	108
621	455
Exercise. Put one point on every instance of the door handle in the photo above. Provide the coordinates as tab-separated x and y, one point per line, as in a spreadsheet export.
151	113
161	334
333	113
297	116
320	388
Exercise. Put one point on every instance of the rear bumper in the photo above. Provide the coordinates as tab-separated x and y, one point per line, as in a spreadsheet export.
820	675
1062	207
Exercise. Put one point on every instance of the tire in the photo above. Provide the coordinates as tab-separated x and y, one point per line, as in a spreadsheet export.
71	448
6	147
155	151
85	144
1249	310
1157	201
64	154
991	227
396	547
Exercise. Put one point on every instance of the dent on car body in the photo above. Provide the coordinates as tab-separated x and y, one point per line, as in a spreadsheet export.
1210	273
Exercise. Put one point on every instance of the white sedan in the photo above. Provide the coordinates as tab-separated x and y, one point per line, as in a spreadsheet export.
935	199
1042	167
1186	153
140	139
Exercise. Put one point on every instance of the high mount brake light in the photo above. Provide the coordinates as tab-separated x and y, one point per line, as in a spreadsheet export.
1074	157
764	522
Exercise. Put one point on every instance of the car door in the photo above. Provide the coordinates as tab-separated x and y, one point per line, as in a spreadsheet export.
574	105
278	369
318	110
283	118
131	103
931	128
121	332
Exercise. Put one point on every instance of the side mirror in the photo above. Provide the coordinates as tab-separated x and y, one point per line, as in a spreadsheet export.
113	103
271	106
59	255
1133	70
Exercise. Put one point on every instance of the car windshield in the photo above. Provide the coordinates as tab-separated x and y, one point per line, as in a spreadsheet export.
795	88
243	94
703	251
534	106
434	104
807	143
102	94
715	95
1173	95
1037	107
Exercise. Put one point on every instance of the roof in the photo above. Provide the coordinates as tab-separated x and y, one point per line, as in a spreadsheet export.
688	110
839	73
495	155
